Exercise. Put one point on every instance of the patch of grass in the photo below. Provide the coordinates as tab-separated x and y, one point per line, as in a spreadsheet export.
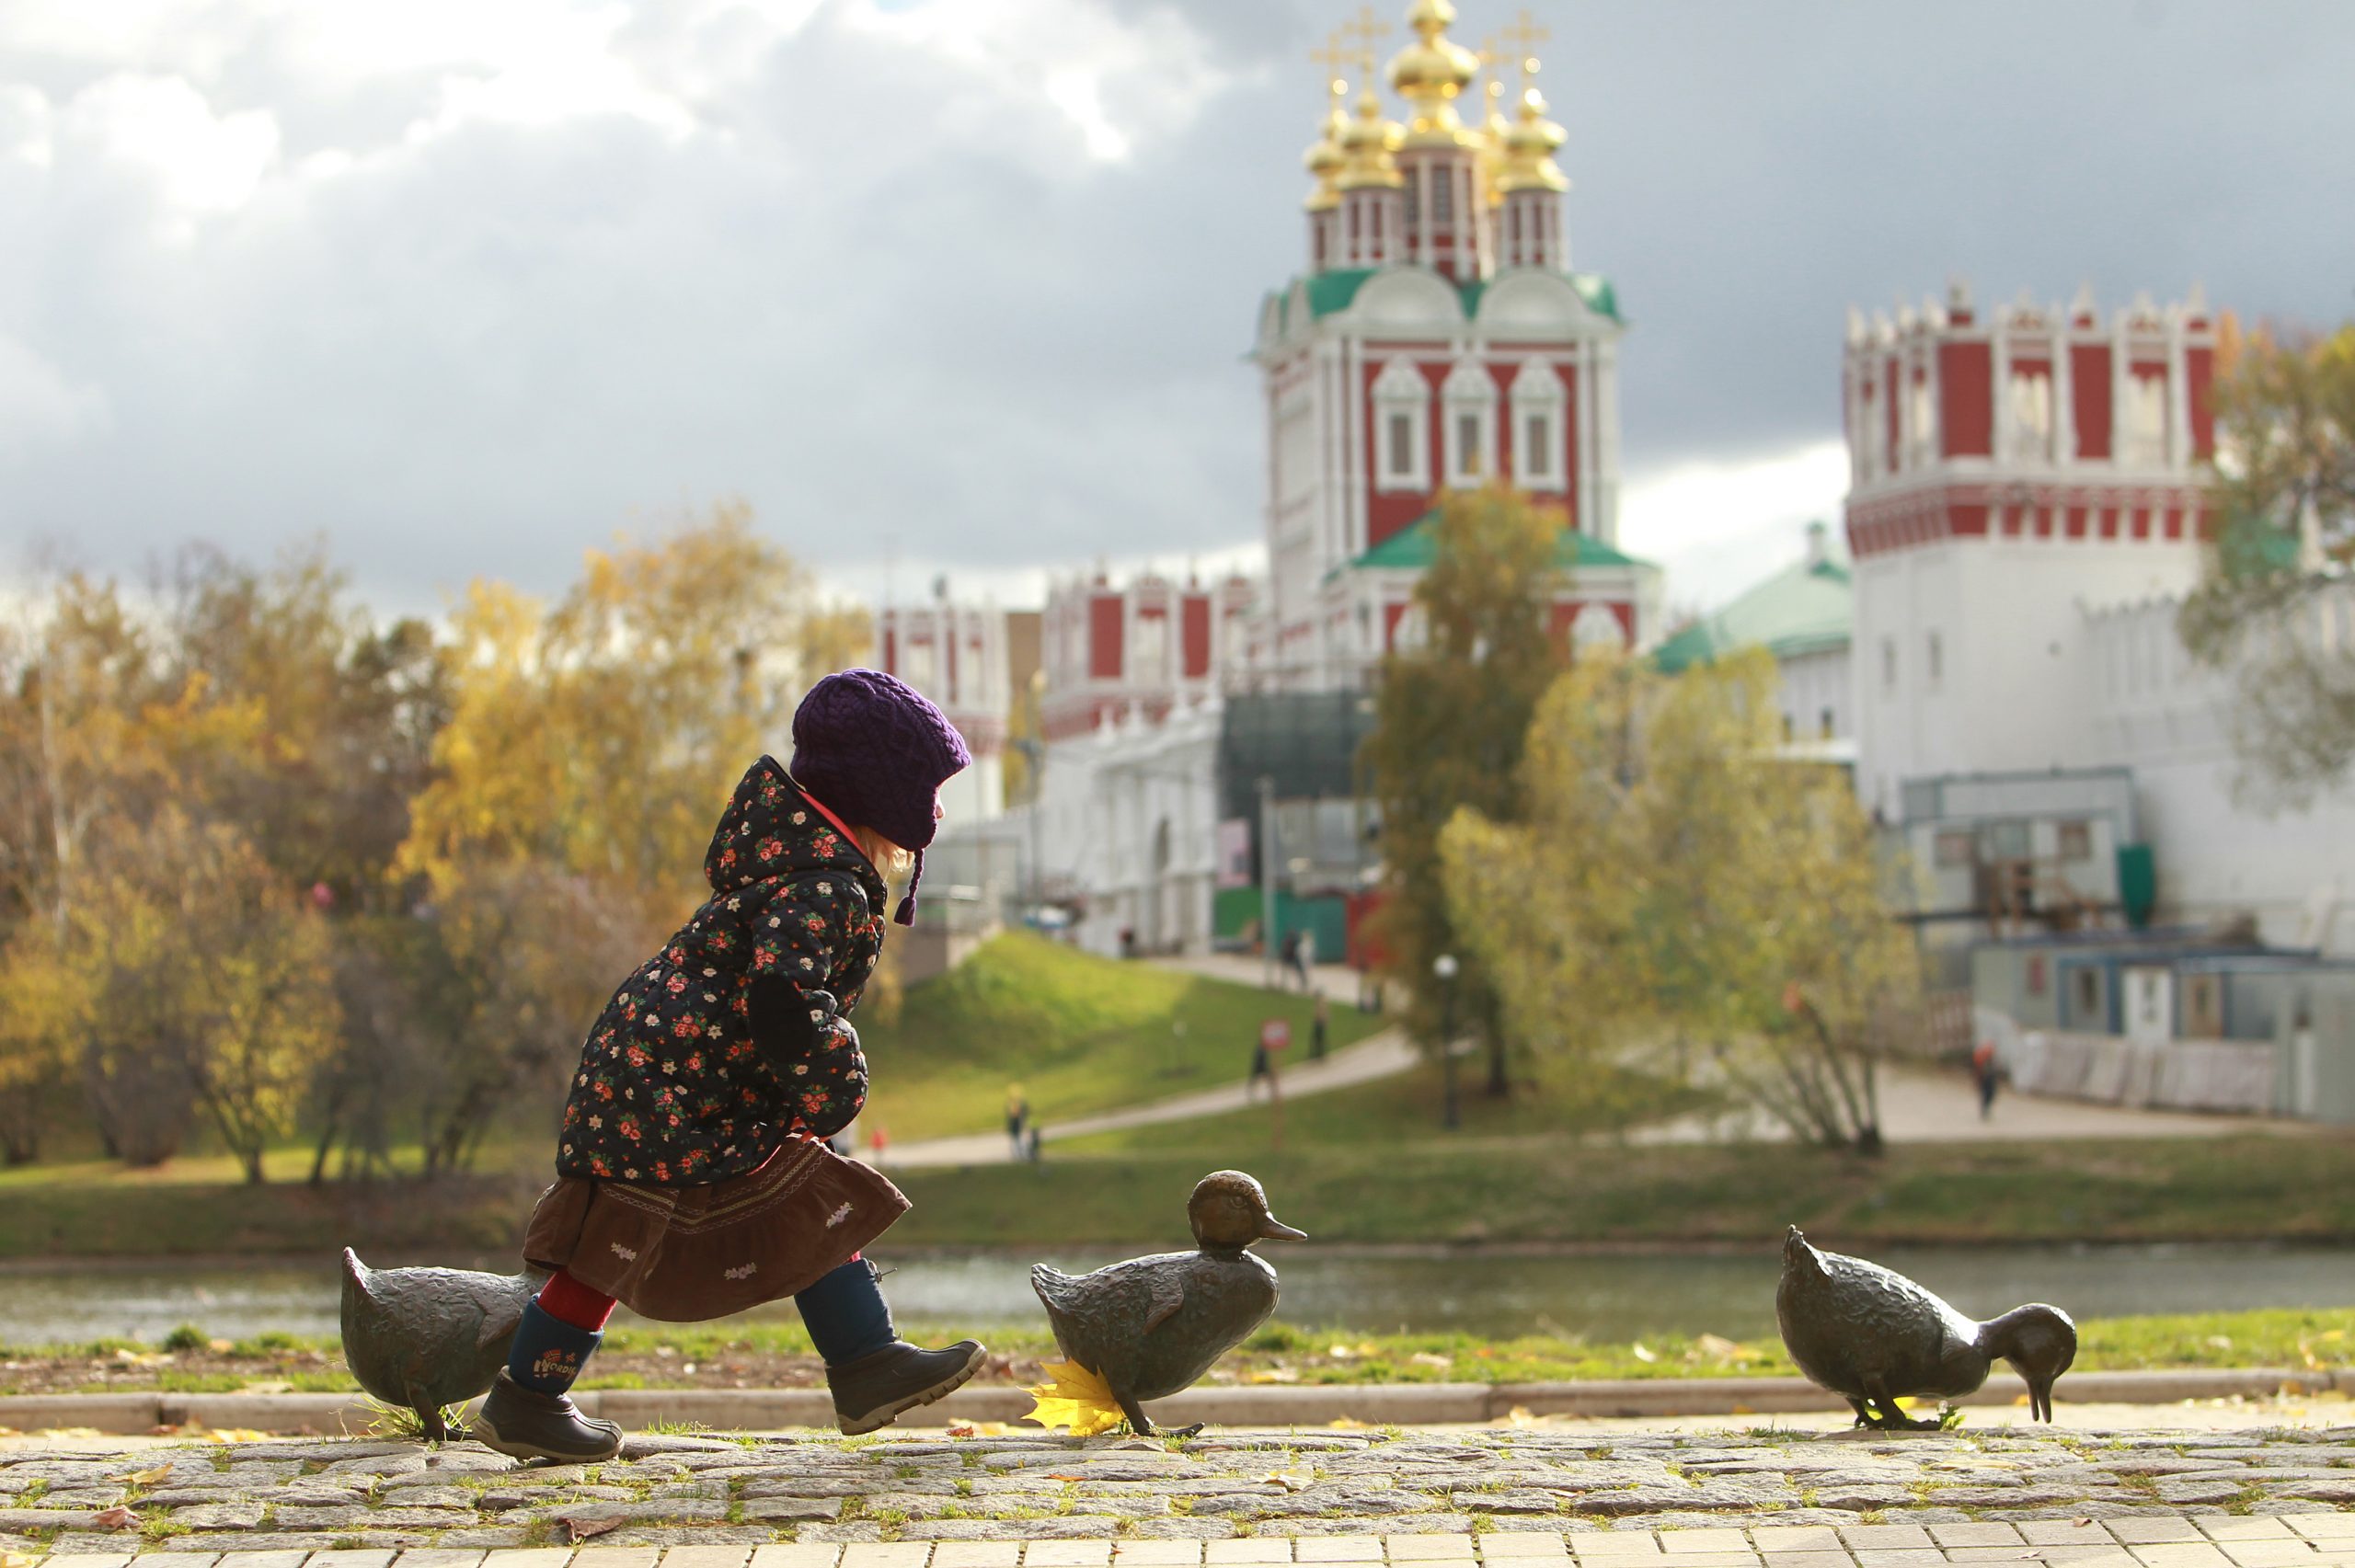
1401	1109
1079	1033
1552	1188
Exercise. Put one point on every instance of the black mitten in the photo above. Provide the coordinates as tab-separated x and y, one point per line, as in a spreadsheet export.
781	1014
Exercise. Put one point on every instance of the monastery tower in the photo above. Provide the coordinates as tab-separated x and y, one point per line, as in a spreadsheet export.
1438	340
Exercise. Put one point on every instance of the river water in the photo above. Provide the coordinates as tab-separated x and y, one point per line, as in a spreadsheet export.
1603	1296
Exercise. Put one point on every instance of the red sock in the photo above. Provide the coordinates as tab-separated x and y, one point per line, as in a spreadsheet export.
568	1300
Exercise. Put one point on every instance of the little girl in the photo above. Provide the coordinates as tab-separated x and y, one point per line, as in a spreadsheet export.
693	1178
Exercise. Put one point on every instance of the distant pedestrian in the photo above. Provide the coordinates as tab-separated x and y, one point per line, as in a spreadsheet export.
1982	1069
1017	1117
1317	1026
1306	958
877	1142
1288	951
1263	1068
1035	1142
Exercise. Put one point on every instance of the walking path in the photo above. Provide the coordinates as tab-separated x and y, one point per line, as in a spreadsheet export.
1379	1056
1918	1105
1518	1494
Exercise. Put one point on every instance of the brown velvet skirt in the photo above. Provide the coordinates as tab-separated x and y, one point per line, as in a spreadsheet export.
684	1254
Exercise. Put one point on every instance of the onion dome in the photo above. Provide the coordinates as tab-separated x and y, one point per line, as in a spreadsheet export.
1530	147
1325	158
1367	144
1430	74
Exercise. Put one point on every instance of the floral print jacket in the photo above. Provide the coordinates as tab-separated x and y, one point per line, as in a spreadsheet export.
732	1039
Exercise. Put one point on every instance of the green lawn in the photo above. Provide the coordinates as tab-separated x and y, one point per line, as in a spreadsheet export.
1520	1189
1405	1109
659	1355
1539	1189
1080	1034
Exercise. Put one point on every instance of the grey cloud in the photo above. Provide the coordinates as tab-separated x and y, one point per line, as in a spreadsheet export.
874	301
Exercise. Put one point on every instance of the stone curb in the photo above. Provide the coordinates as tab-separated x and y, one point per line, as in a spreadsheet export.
1314	1404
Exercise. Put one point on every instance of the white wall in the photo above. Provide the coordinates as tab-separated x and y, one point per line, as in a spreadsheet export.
2006	614
2156	711
1105	796
1814	683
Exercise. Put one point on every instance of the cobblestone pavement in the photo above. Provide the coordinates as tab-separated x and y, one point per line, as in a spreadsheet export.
2131	1499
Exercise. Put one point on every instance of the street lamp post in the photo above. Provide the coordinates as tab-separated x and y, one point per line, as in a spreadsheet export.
1444	968
1267	882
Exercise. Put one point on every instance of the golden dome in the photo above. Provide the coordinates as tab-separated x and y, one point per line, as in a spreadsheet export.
1430	74
1530	147
1367	144
1325	158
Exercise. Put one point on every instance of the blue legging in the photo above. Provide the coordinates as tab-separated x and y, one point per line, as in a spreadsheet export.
845	1313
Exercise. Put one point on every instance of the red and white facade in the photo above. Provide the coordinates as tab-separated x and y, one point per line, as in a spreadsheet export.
957	656
2010	470
1407	361
1140	649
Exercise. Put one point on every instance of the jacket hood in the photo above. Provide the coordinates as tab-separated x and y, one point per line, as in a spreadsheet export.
771	828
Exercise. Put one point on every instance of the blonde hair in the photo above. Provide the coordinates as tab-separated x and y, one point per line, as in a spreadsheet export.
894	864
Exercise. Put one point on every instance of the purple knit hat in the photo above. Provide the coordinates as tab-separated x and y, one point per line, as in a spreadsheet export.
876	752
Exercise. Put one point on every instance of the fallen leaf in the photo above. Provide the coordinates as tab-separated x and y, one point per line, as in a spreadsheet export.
1425	1359
235	1434
1345	1423
2081	1524
267	1386
69	1431
220	1347
114	1519
1644	1353
2219	1341
1290	1480
581	1529
146	1477
1078	1399
977	1428
1743	1410
1053	1475
1342	1353
1720	1347
1519	1416
1274	1375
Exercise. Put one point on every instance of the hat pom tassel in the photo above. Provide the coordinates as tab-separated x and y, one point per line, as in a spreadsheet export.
906	913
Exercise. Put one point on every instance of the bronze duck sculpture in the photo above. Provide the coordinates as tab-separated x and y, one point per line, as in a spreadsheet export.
1151	1326
429	1338
1873	1336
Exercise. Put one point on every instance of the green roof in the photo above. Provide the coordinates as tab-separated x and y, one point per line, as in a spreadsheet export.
1415	546
1334	291
1804	608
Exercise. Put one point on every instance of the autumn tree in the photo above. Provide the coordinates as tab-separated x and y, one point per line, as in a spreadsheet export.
41	1024
2283	497
1452	712
602	736
1677	893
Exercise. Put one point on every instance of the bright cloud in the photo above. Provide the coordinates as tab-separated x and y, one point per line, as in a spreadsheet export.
200	161
40	404
1717	527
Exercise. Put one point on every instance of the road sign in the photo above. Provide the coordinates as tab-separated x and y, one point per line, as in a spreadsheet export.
1275	1034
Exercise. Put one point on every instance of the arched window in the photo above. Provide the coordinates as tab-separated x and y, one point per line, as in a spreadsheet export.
1540	462
1402	443
1470	396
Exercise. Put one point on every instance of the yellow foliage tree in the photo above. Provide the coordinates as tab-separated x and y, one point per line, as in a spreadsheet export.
41	1024
1674	880
602	736
207	986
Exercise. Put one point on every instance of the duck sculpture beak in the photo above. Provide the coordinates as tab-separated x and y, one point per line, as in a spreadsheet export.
2040	1398
1274	1230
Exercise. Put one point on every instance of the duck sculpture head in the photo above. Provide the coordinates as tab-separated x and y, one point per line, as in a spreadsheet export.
2037	1341
1229	1211
1873	1338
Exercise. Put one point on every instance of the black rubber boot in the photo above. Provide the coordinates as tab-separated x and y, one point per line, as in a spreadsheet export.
528	1425
872	1390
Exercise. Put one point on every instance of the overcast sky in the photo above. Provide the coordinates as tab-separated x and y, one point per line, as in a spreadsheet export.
468	285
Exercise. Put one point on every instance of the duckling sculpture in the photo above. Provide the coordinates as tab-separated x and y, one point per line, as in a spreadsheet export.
1874	1336
1151	1326
427	1338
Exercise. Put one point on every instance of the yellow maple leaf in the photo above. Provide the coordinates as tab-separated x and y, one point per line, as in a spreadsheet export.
235	1434
1077	1397
146	1477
